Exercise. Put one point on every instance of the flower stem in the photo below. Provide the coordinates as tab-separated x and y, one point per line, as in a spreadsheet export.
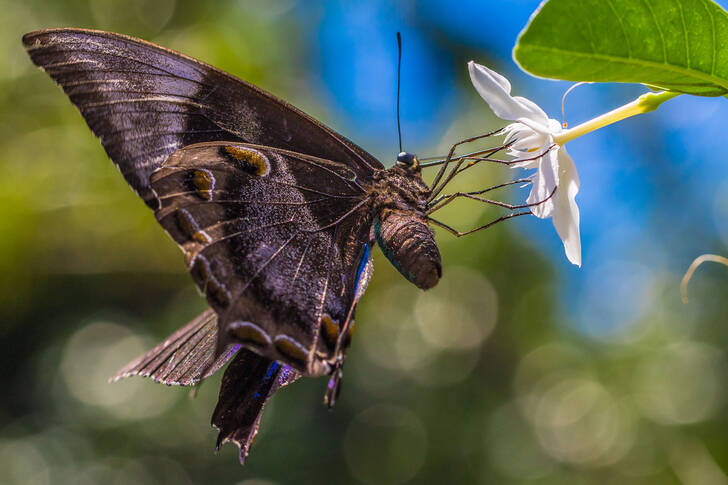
689	273
644	104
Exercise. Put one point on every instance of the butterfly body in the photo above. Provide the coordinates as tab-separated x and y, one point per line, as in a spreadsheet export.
401	227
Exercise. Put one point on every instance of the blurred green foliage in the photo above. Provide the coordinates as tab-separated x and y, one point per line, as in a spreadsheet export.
480	380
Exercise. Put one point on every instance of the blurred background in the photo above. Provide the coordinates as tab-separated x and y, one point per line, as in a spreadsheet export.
517	368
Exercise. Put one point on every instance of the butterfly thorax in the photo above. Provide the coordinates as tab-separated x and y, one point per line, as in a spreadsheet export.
400	198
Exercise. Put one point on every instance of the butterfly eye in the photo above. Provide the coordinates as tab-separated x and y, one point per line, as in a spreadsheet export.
408	159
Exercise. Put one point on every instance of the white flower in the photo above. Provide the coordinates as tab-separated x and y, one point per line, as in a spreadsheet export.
533	134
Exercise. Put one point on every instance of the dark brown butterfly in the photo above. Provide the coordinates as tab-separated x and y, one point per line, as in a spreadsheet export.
276	214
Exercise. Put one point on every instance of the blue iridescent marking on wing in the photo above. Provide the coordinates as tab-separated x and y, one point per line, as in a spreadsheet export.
268	374
271	370
286	375
362	267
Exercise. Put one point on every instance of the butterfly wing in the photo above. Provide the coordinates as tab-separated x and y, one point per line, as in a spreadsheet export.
278	242
184	358
248	383
187	357
144	102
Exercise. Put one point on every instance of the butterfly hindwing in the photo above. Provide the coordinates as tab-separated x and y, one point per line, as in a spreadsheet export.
144	102
274	239
248	383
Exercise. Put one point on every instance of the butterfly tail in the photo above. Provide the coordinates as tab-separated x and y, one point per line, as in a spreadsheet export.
249	382
184	358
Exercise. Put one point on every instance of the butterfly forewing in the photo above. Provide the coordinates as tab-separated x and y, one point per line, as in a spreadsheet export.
273	238
144	102
184	358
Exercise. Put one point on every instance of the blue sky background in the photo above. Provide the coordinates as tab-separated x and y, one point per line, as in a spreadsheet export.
651	196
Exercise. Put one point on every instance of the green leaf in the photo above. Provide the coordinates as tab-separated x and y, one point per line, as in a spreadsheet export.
677	45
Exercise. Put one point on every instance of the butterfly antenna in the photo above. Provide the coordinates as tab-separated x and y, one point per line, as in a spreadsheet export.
399	76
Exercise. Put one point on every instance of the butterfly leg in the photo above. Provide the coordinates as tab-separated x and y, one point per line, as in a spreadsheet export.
487	201
364	274
473	196
443	200
474	159
485	226
459	161
333	388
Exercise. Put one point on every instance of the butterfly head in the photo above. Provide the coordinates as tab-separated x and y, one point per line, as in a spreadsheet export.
408	160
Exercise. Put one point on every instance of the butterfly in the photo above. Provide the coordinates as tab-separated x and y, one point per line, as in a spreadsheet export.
275	213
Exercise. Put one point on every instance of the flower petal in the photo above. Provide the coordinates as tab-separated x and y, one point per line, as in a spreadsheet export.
523	138
496	91
539	127
566	212
544	182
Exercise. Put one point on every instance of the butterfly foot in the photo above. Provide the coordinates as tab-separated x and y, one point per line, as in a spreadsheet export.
334	386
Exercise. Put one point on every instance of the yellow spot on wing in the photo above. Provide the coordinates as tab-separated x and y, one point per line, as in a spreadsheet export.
204	182
189	226
330	328
252	158
250	333
209	283
291	348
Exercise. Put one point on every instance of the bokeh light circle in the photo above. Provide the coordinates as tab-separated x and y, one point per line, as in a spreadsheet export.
460	312
574	416
512	448
681	384
21	463
96	352
385	445
578	421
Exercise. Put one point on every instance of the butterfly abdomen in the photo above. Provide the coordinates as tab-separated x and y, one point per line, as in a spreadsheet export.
409	244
